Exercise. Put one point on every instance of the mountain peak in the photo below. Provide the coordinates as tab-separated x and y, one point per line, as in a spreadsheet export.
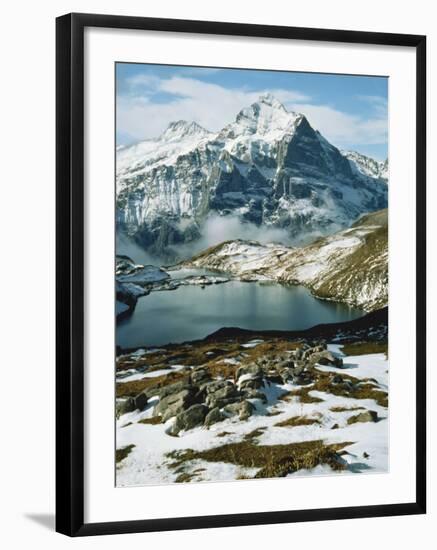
265	117
182	128
271	101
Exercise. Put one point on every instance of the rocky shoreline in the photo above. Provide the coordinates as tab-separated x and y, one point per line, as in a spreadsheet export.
134	281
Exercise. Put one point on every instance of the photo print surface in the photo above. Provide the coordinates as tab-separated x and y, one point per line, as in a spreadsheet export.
251	274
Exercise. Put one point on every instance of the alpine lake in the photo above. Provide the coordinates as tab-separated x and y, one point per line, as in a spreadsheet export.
192	312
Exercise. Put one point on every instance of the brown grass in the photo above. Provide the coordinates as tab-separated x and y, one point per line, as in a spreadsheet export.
224	434
272	460
365	348
304	395
346	409
185	477
361	389
121	454
125	389
152	420
254	434
224	370
297	421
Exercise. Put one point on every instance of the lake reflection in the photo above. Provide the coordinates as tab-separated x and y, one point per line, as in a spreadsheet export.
192	312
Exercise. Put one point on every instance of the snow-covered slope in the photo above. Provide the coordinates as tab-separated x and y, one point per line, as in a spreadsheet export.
350	266
366	165
268	167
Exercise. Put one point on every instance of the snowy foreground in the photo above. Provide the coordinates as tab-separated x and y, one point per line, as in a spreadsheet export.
147	454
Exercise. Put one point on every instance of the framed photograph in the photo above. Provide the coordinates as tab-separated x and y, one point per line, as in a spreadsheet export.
240	274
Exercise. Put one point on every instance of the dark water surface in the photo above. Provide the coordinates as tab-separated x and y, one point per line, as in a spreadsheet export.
192	312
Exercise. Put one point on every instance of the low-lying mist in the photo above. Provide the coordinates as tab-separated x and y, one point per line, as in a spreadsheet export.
216	229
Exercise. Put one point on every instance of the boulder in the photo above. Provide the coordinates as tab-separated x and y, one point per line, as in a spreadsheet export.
228	390
249	369
287	375
250	381
214	416
200	376
254	394
244	409
298	353
366	416
274	378
124	405
216	402
299	367
321	346
326	358
173	404
302	379
186	420
163	391
141	400
218	385
220	394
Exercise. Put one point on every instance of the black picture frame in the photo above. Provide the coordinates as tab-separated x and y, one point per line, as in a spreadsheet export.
70	273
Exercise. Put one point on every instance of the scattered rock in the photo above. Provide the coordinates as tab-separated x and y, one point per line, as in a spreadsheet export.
221	394
186	420
299	367
302	380
173	404
255	370
274	378
244	409
255	394
200	376
250	381
170	389
124	405
141	401
367	416
326	358
298	353
286	375
214	416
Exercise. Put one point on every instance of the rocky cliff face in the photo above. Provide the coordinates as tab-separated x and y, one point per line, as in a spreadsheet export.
268	167
350	266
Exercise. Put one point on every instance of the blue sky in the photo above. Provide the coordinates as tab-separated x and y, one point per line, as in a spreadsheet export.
350	111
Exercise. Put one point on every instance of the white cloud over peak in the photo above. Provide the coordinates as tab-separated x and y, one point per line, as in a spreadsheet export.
151	103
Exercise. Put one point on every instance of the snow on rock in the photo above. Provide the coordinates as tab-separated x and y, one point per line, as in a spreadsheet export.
144	275
366	165
349	266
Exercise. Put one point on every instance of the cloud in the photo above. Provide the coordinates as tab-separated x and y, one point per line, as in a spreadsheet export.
343	129
139	116
151	103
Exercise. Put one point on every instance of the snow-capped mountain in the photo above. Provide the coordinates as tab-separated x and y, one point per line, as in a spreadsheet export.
268	167
350	266
366	165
